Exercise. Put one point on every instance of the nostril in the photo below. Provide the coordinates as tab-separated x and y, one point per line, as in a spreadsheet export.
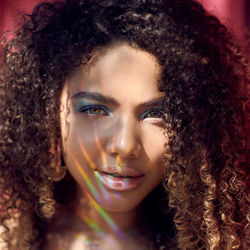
125	140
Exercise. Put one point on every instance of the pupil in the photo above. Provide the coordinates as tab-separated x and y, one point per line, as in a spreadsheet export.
152	114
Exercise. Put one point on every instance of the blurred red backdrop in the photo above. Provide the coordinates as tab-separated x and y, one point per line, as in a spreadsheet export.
11	12
234	14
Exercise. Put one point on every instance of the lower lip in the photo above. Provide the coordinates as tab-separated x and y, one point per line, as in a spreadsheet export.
119	183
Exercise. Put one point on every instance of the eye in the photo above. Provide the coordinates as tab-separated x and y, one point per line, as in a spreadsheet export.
94	110
153	113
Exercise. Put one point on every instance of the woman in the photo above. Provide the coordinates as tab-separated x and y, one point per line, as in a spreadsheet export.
123	126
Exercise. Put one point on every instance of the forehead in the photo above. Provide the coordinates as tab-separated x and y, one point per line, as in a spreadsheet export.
118	71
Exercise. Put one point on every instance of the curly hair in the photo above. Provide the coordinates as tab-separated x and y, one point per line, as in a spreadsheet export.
204	77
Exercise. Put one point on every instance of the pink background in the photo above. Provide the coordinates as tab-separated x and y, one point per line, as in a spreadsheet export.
10	12
231	12
235	14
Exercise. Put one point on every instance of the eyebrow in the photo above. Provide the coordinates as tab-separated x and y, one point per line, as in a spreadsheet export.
95	96
110	100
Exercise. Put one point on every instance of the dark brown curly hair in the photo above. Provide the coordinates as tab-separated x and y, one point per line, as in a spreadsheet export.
204	76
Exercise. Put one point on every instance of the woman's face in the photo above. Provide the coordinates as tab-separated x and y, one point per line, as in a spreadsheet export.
111	127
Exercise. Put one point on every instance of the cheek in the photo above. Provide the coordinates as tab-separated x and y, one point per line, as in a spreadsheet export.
84	145
81	144
79	155
154	141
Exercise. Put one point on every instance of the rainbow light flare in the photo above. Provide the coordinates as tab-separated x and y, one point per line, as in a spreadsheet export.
91	163
150	164
90	222
105	216
86	179
104	160
119	161
97	140
118	158
99	209
90	184
105	193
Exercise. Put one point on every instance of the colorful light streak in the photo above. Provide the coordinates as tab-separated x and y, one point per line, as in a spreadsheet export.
90	222
119	161
104	160
91	163
97	140
118	158
150	164
86	179
105	193
106	217
99	209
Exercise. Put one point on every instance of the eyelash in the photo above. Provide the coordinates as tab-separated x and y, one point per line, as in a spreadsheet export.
159	111
87	109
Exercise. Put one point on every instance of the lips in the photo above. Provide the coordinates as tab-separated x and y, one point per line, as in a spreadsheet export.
121	171
119	178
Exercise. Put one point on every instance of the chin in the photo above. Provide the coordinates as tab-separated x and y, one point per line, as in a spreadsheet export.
119	207
120	203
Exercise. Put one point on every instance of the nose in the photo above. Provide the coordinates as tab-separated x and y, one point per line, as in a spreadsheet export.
125	140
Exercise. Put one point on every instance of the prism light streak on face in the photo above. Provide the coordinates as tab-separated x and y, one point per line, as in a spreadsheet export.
85	154
106	217
86	179
91	163
121	132
151	165
97	140
104	159
93	166
100	210
90	222
122	183
105	193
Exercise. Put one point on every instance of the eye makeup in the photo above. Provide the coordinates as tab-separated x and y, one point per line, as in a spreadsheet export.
157	113
88	108
95	109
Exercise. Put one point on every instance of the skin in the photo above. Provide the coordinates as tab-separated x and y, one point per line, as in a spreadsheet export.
125	132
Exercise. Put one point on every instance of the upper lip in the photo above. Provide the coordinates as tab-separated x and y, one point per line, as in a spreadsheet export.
122	171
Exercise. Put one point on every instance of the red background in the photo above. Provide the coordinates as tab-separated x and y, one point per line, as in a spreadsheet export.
235	14
11	12
232	13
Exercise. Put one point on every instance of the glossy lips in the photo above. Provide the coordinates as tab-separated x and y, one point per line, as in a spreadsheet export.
119	178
